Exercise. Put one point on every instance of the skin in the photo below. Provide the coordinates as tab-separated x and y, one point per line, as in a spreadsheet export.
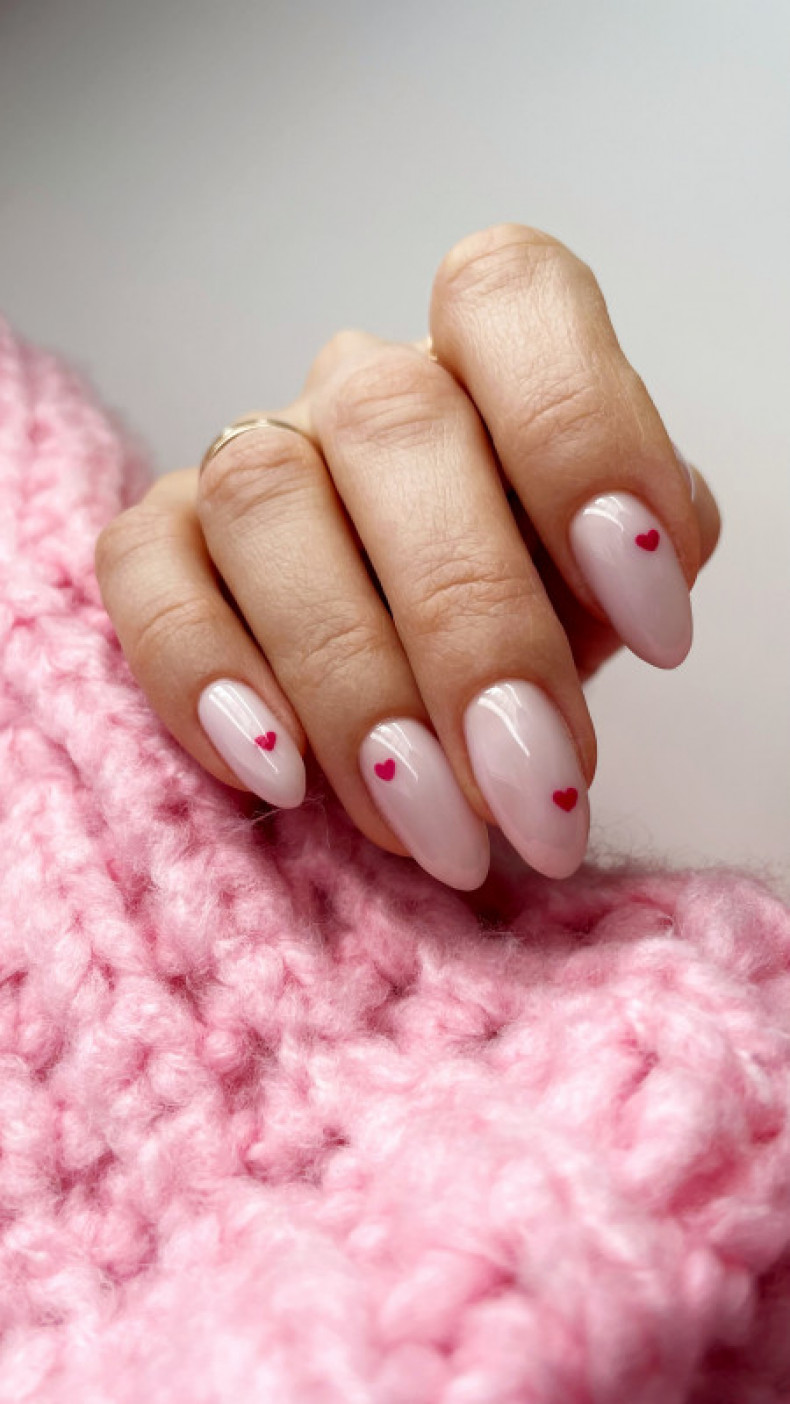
381	570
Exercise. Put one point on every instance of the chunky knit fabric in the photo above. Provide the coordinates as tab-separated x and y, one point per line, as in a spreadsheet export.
283	1120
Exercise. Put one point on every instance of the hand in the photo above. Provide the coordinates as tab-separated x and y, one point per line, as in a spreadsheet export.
449	548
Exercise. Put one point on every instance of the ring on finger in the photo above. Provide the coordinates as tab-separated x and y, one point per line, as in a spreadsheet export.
242	426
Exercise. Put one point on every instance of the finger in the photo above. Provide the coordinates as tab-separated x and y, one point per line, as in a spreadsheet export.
180	636
278	534
413	465
522	325
592	641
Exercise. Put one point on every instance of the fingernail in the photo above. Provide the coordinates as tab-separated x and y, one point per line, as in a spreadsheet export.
525	763
412	784
629	563
253	742
686	466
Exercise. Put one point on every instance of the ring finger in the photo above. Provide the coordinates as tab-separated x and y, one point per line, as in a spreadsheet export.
411	460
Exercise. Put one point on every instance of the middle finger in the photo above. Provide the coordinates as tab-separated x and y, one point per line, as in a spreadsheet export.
410	458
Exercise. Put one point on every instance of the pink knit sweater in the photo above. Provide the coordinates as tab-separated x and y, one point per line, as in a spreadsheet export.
283	1120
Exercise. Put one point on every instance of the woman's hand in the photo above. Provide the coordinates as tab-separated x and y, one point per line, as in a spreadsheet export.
451	552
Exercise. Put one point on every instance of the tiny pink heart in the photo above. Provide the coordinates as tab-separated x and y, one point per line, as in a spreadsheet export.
648	540
385	769
566	799
267	741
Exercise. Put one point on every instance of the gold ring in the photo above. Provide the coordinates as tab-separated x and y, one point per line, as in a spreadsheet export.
241	426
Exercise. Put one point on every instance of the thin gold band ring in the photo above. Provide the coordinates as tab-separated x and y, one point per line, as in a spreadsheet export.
242	426
254	421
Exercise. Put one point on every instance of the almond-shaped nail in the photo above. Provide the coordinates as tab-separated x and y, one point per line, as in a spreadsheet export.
526	765
412	783
627	558
253	742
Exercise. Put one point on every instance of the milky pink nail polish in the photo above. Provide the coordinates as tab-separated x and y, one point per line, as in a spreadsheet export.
253	742
413	785
627	558
525	763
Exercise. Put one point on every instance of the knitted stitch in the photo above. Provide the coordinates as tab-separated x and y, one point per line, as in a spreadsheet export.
283	1119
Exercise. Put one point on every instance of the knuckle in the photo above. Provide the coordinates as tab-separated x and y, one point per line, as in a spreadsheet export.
503	257
256	468
345	345
567	406
183	623
135	529
336	640
398	398
463	584
487	252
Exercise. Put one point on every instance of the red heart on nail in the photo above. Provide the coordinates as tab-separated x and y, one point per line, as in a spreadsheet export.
648	540
566	799
266	742
386	769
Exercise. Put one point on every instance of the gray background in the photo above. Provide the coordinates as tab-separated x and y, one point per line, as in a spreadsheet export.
195	196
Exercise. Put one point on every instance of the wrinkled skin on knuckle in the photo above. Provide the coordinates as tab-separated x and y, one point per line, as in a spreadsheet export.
394	399
337	640
562	407
135	529
188	624
252	471
499	259
496	267
462	262
447	591
591	410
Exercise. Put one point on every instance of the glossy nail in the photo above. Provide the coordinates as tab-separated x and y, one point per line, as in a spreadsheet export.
526	765
413	785
625	554
253	742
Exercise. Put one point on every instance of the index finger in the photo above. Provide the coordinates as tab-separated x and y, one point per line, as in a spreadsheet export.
520	321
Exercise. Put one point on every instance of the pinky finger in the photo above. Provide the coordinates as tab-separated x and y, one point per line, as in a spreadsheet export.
190	651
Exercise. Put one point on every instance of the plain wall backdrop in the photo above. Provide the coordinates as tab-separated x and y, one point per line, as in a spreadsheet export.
195	195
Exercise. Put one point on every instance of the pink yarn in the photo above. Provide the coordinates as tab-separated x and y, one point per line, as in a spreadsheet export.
284	1119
